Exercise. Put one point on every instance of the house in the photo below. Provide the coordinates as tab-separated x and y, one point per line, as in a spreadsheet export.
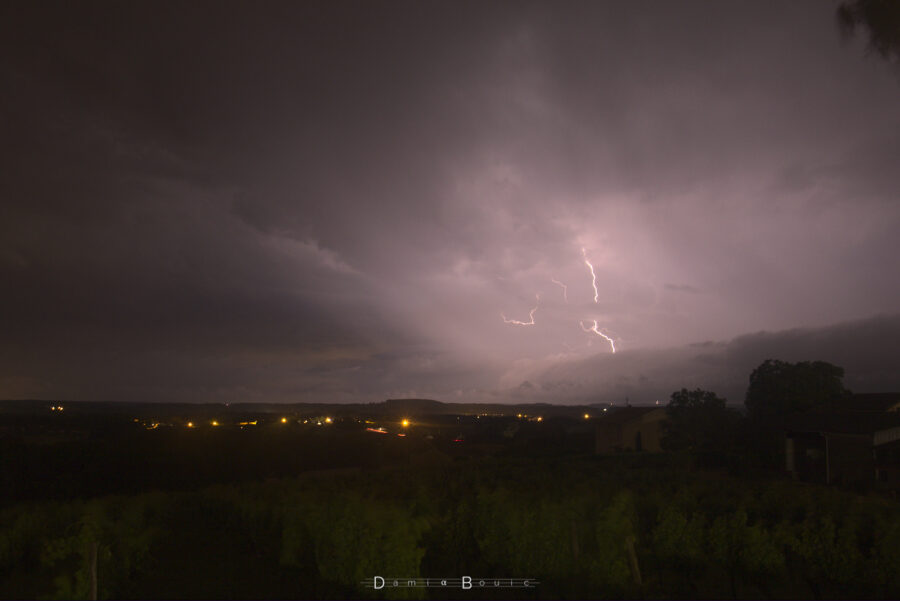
886	454
852	442
630	429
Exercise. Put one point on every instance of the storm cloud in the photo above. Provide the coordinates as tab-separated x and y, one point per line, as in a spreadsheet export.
867	349
338	201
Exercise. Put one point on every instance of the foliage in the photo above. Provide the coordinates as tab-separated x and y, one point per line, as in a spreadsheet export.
616	537
743	550
118	534
780	388
584	526
519	533
697	420
830	553
886	557
679	544
353	538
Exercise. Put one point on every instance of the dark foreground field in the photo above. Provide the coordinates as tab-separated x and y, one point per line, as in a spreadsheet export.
631	525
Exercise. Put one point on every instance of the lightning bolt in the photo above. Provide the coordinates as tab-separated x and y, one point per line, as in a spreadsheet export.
564	287
596	330
531	313
593	275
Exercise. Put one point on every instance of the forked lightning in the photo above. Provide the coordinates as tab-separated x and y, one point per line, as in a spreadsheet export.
531	313
596	330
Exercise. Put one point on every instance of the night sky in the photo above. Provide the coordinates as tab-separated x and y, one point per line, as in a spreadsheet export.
347	201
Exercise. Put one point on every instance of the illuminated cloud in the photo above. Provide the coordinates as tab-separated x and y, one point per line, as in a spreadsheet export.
303	204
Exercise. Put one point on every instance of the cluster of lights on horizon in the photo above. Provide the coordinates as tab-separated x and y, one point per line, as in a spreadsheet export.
594	329
405	424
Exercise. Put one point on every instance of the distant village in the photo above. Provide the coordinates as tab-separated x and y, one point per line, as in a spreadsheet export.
854	442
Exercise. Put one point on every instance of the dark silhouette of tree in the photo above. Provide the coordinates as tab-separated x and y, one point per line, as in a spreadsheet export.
697	420
779	388
881	18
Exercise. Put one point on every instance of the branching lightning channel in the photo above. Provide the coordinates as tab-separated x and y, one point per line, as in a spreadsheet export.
563	286
531	313
593	275
596	330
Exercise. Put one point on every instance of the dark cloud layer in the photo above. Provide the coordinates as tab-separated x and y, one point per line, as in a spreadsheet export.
866	349
337	201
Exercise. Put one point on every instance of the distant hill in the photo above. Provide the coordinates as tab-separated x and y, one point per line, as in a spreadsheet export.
414	406
391	407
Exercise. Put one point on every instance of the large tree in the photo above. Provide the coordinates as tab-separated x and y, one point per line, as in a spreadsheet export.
780	388
697	420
